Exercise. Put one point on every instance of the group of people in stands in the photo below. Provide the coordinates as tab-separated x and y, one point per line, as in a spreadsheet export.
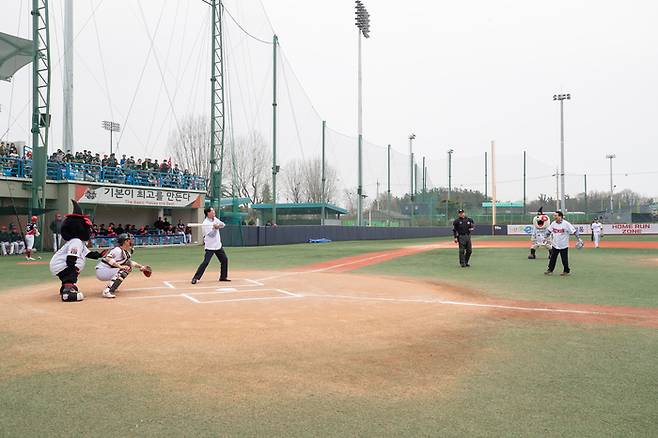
160	228
130	171
109	168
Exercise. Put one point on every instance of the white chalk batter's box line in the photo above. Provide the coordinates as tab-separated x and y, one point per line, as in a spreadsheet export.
171	285
190	295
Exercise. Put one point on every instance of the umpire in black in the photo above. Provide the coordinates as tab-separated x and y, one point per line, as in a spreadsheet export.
461	229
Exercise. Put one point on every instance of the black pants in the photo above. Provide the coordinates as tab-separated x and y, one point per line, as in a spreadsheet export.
465	249
564	254
223	261
68	276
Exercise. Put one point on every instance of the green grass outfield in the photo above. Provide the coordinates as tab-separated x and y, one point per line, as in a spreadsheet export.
529	378
189	257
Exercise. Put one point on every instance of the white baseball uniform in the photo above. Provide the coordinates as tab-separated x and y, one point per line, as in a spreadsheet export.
597	230
105	271
74	247
561	232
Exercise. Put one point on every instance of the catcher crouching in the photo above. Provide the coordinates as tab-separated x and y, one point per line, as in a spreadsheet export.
117	265
539	240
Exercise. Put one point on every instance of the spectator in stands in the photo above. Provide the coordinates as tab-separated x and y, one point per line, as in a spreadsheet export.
119	229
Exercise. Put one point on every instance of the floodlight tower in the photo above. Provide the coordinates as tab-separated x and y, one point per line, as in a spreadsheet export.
112	127
363	25
561	98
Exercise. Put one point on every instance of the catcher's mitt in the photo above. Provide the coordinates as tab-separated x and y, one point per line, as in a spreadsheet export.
147	271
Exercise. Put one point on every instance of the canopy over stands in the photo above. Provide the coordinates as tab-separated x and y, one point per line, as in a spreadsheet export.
15	53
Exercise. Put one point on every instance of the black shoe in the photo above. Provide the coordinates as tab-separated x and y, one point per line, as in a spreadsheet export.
194	280
463	266
548	273
224	279
467	265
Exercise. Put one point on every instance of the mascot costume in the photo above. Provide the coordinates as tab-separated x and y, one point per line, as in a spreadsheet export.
539	225
70	259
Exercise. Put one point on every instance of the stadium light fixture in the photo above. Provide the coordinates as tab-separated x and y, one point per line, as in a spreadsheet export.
112	127
561	98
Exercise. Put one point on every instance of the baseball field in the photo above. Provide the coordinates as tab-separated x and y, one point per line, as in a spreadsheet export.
379	338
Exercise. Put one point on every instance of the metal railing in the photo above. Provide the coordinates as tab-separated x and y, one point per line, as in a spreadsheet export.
60	171
140	240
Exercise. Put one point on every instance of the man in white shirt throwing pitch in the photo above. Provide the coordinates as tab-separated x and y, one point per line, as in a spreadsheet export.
213	246
560	229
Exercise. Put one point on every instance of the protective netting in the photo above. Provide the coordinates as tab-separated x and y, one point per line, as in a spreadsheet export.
158	88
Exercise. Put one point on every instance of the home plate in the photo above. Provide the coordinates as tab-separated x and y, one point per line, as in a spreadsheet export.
226	289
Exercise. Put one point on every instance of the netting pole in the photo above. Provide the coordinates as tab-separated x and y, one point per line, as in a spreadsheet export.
524	183
586	206
493	188
324	179
486	177
275	167
388	186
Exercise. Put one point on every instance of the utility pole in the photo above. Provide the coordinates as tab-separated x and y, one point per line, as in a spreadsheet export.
424	177
363	25
388	186
561	98
275	167
612	187
324	179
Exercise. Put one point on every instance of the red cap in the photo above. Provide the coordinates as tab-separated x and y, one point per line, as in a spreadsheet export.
34	218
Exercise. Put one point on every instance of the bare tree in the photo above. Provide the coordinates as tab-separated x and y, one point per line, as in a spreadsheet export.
312	176
249	166
190	145
293	181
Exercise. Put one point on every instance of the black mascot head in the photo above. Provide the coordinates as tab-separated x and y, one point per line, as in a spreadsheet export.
76	225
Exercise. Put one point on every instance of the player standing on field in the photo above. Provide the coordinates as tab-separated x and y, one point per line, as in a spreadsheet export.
461	230
597	232
31	231
560	229
213	246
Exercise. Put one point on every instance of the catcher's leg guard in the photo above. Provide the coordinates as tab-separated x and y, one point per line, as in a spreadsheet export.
116	281
533	254
69	292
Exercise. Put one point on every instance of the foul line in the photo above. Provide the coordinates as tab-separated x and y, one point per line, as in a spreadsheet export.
328	268
467	304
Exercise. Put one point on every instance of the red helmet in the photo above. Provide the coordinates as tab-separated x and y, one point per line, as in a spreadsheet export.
34	218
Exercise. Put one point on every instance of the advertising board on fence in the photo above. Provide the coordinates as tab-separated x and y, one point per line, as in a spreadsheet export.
129	196
609	229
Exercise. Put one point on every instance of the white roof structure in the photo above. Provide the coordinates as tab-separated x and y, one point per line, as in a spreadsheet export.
15	53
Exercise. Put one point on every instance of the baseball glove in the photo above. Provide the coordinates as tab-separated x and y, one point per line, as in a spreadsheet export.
147	271
580	244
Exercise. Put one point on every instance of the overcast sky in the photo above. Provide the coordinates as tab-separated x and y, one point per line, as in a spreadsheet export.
457	74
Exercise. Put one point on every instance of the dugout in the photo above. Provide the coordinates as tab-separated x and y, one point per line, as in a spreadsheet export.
308	213
103	202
